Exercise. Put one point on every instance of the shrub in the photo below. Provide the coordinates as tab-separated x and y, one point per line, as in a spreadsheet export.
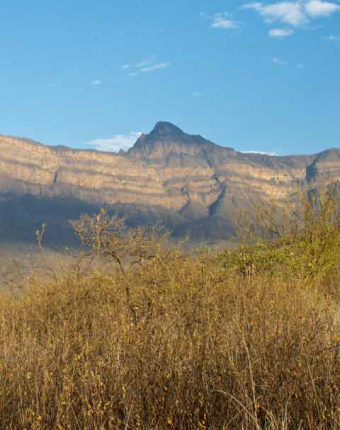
301	240
176	341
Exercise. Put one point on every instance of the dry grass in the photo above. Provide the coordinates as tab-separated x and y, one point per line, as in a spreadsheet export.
177	342
202	348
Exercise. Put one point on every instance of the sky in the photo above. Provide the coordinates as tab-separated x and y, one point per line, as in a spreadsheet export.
95	74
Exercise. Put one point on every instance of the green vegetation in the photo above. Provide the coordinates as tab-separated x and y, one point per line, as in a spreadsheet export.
154	338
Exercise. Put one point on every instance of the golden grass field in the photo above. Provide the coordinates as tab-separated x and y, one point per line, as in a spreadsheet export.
138	335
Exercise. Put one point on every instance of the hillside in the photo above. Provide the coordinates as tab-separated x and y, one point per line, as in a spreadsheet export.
184	181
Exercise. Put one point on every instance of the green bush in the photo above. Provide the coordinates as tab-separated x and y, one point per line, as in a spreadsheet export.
304	240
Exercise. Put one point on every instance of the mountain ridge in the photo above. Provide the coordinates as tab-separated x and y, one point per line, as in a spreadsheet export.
185	181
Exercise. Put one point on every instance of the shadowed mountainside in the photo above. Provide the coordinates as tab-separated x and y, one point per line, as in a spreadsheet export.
184	181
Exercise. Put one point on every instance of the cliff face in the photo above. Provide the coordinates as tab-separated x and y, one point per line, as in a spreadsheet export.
185	181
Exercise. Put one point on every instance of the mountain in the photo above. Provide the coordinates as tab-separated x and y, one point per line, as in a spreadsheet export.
184	181
168	140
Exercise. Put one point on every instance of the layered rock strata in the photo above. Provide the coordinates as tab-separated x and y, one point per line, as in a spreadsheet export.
167	171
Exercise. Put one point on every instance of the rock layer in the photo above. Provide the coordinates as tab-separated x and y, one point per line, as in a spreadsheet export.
185	181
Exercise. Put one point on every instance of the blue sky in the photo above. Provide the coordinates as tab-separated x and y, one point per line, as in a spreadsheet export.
93	74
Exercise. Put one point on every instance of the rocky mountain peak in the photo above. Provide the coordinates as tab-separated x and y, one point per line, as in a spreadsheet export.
164	129
167	139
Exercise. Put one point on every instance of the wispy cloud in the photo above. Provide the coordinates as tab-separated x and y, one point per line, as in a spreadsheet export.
332	38
222	20
146	66
116	143
281	32
272	154
139	65
96	82
293	13
154	67
279	61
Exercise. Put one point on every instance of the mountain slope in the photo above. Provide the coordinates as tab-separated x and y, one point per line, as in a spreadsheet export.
185	181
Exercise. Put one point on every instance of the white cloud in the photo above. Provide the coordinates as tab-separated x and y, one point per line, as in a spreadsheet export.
272	154
286	12
317	8
281	32
294	13
279	61
96	82
154	67
332	38
221	20
116	143
143	63
146	66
